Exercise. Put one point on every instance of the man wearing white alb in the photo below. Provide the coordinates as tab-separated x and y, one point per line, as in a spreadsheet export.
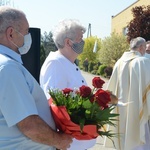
130	81
60	71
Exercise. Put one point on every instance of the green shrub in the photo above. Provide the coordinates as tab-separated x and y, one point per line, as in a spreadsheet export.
101	70
94	72
95	67
90	67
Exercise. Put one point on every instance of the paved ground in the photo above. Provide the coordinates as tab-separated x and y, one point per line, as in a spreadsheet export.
100	141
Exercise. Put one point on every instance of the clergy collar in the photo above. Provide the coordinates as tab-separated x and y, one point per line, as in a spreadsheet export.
127	56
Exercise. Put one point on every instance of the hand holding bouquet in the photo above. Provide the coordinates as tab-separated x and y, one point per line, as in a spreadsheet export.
83	112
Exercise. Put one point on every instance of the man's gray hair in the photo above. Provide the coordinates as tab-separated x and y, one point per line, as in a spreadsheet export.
136	42
9	17
66	29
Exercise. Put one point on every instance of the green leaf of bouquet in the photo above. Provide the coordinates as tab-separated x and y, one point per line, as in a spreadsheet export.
82	122
87	104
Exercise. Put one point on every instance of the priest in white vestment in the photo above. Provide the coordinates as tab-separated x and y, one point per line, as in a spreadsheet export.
130	82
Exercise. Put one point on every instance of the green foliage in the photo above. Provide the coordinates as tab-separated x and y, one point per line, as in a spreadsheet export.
91	65
88	49
96	66
42	55
140	25
94	72
48	43
101	69
112	49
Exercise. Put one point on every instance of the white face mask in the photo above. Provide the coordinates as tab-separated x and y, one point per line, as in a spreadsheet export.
27	44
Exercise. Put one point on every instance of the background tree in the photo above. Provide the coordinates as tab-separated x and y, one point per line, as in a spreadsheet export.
88	50
112	48
140	25
48	43
42	55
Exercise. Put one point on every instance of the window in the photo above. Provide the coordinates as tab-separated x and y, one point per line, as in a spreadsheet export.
125	31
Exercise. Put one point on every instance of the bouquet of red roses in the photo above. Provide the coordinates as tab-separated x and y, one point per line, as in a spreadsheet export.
83	112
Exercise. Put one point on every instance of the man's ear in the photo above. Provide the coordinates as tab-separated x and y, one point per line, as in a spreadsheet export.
141	49
9	33
67	42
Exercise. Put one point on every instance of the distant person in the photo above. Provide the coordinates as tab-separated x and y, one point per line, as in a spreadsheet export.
25	119
86	64
130	82
147	54
59	70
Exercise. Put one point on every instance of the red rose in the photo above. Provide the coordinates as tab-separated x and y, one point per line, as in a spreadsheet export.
85	91
92	98
66	91
97	82
102	98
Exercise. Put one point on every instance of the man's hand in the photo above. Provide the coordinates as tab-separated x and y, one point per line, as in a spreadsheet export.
64	142
114	98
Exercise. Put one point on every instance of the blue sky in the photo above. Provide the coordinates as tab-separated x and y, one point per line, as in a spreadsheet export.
46	14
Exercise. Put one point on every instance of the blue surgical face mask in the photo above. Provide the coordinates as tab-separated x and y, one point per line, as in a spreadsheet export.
78	47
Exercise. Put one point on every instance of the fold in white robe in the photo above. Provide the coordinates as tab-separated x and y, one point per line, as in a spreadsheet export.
130	81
